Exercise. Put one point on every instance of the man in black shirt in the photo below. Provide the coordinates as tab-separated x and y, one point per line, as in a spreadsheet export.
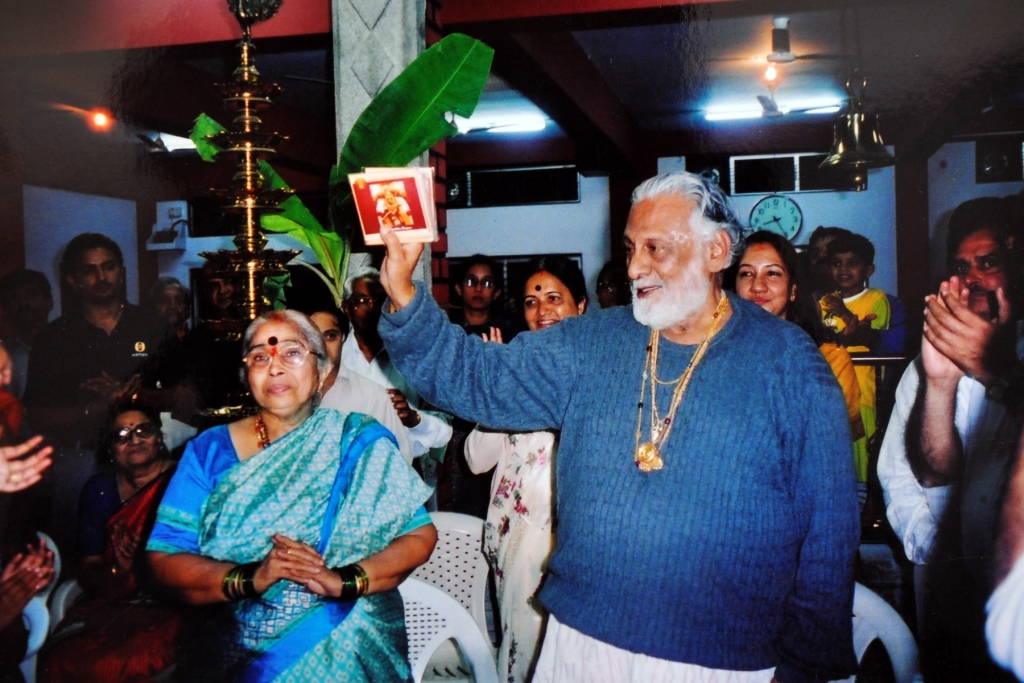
101	349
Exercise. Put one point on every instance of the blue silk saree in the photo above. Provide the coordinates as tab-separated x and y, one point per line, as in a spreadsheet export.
339	484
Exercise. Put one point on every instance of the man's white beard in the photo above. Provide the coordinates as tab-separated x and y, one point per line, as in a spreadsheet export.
678	300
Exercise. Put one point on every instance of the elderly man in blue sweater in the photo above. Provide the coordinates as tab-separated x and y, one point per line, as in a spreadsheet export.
705	488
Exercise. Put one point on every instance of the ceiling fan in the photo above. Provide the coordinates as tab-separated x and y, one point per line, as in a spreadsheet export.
781	51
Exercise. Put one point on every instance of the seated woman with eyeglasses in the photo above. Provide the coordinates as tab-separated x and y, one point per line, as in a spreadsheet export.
296	525
118	631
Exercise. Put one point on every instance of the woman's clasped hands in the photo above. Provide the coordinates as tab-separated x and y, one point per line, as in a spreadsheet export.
298	562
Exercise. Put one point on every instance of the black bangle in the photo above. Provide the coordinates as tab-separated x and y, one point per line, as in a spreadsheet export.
238	583
354	582
249	580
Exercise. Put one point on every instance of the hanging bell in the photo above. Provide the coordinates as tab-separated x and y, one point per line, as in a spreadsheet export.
857	146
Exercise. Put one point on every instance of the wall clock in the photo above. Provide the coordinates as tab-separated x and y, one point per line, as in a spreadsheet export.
777	213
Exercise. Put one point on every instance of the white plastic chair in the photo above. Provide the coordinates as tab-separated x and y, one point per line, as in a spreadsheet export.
63	598
432	617
37	621
874	618
51	546
458	566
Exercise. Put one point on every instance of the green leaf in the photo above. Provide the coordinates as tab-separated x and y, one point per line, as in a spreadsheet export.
330	249
408	116
273	290
202	131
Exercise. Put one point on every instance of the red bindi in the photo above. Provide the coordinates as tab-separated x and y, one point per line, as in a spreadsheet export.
273	345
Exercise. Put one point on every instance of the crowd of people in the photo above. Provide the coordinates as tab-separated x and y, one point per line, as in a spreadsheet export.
670	471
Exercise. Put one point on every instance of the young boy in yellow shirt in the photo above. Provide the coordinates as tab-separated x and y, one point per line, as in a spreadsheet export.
856	312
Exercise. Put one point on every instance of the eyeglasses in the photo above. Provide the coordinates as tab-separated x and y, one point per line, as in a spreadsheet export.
143	430
484	282
361	301
292	355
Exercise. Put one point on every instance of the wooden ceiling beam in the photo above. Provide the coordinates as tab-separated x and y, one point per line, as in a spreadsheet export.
553	71
570	15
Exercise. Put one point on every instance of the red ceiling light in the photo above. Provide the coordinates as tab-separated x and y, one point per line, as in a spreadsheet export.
100	120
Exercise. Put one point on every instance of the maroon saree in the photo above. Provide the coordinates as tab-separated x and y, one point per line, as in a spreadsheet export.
121	633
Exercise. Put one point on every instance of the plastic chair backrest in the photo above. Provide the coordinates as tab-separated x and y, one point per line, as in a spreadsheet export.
37	621
458	566
45	593
63	598
431	618
874	618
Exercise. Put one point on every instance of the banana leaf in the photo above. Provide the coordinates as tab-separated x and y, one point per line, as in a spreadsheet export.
408	117
273	290
203	129
294	220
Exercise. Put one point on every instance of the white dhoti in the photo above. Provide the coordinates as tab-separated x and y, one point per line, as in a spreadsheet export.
569	656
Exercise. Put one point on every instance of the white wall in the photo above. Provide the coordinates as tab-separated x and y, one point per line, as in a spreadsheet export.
581	227
53	217
871	213
950	183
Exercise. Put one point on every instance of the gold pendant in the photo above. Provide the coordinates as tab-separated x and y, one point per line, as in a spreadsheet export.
648	458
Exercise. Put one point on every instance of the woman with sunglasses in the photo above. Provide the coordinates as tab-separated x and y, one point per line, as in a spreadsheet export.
295	525
100	638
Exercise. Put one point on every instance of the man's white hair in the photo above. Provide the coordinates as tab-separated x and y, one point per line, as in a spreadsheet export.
713	213
365	272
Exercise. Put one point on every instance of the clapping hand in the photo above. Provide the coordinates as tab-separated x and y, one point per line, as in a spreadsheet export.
24	576
833	304
16	474
980	347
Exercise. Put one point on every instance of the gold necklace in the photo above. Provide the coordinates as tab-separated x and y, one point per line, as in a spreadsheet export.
647	456
261	432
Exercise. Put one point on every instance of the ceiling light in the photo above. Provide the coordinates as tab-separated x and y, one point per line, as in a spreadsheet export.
509	123
175	142
771	73
824	110
100	120
733	114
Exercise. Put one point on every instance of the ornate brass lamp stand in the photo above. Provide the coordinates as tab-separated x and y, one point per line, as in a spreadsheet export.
247	198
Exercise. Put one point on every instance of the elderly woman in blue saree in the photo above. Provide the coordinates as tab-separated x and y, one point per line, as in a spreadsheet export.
301	521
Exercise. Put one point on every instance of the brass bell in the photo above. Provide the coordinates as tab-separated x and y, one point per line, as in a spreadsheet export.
857	146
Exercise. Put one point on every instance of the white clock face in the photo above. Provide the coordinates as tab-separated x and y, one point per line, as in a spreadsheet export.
777	213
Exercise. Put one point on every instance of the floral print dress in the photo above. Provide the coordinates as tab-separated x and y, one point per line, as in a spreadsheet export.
518	536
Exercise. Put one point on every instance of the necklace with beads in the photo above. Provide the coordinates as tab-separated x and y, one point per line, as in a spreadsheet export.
647	455
261	432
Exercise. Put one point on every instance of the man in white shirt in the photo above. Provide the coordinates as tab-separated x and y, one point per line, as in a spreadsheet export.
1004	629
947	438
363	354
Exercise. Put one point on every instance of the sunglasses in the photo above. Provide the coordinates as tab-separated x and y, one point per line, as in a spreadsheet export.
143	430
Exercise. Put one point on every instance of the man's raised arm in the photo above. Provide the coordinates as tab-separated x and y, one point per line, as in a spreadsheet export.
524	385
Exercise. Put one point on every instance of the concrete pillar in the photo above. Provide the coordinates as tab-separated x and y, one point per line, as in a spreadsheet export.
373	41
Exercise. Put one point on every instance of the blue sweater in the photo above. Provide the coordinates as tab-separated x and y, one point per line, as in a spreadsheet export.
739	553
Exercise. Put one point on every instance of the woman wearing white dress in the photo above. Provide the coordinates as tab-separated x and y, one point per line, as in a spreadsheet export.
519	532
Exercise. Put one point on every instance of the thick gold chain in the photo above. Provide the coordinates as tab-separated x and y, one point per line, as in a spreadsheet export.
647	456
